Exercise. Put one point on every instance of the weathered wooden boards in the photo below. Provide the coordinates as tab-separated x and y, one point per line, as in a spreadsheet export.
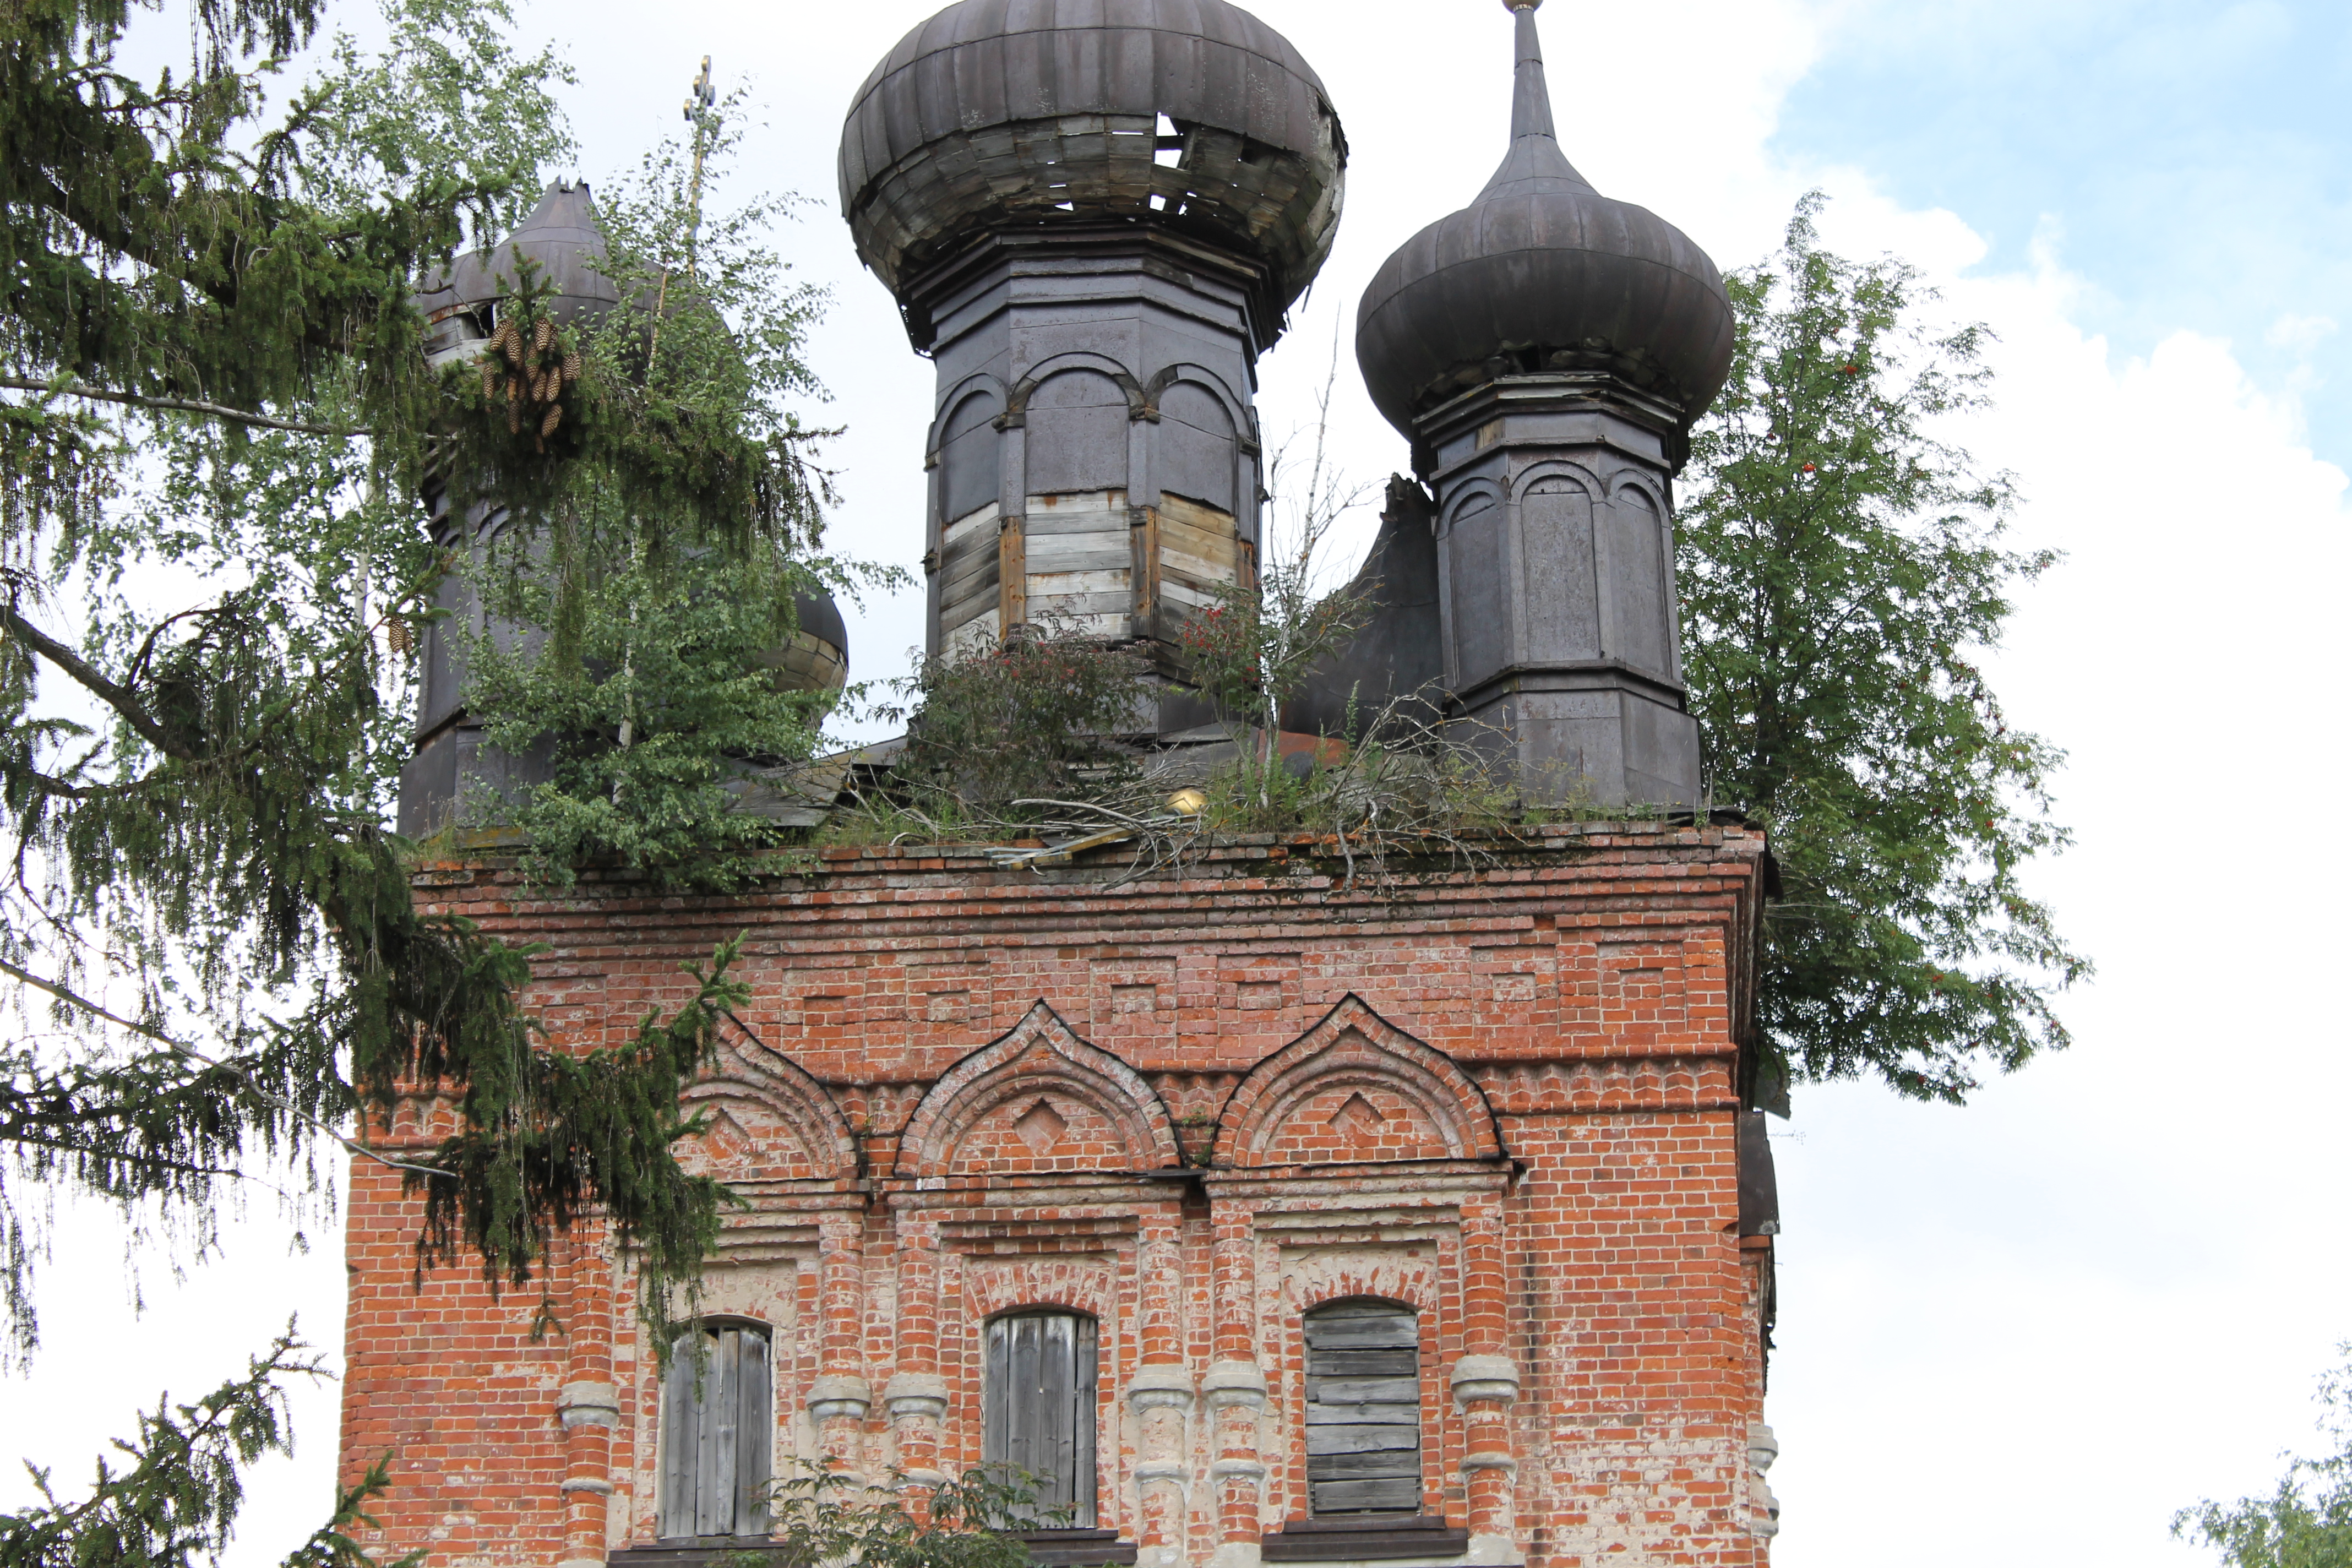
716	1430
1363	1409
1037	1409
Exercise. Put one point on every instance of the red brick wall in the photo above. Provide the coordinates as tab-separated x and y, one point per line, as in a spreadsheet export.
1193	1107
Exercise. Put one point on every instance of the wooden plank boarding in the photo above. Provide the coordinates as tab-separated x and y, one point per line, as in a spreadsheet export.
1038	1408
1363	1409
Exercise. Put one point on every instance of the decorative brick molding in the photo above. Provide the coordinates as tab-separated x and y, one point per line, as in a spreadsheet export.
1569	1237
1037	1099
1355	1088
767	1117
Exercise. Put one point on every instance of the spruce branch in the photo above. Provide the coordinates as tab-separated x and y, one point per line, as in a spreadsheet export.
182	404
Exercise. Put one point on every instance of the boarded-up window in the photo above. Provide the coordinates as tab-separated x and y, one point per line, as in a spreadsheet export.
1637	567
1037	1409
1363	1409
1563	610
967	461
717	1415
1078	434
1196	446
1482	616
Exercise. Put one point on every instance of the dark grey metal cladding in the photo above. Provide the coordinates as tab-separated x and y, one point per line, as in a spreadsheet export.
1398	654
455	779
1560	618
1014	113
1093	406
1542	272
560	246
1545	349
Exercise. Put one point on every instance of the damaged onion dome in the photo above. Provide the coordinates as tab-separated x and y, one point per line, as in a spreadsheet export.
1543	273
999	114
560	248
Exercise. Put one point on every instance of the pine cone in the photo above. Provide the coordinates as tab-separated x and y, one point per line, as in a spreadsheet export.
554	417
544	336
539	386
489	380
510	340
514	418
571	367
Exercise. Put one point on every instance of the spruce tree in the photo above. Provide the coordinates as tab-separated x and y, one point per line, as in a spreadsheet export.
217	419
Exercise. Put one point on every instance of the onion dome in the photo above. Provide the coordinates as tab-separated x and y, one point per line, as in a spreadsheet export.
1542	272
817	658
1000	114
560	246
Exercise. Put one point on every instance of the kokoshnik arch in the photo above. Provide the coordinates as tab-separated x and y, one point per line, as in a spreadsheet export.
1263	1219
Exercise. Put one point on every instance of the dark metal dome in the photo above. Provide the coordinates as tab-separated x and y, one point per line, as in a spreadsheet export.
1002	113
561	245
1543	272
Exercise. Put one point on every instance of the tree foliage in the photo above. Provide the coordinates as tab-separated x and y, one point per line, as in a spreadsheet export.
824	1515
214	573
1844	576
1041	715
175	1502
2307	1522
655	554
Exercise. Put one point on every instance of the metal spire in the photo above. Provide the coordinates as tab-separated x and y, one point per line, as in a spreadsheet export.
1535	164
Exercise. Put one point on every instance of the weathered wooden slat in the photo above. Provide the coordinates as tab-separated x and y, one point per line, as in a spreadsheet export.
1392	1331
1373	1465
1364	1414
680	1440
1404	1363
1400	1495
1083	1356
753	1440
1357	1437
722	1408
1363	1390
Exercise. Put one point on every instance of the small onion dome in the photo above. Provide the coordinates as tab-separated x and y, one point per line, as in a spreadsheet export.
560	246
817	658
999	114
1542	272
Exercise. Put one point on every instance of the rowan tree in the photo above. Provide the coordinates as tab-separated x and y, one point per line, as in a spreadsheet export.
2304	1522
1844	575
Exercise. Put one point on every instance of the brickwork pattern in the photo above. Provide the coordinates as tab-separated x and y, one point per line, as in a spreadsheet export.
1193	1109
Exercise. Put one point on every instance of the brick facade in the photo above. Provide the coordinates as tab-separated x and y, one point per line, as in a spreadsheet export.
1193	1107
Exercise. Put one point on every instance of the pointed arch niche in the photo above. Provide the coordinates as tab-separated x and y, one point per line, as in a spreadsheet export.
1355	1088
767	1119
1037	1100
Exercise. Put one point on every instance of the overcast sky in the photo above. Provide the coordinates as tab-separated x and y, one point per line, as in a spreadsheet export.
2034	1327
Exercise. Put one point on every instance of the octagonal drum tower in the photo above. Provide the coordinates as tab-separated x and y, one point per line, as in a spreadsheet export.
1546	350
1094	215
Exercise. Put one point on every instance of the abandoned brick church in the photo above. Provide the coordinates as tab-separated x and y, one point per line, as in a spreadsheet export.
1264	1216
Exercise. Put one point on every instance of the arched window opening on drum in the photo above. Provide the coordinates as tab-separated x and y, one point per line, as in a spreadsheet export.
1077	433
1196	446
968	477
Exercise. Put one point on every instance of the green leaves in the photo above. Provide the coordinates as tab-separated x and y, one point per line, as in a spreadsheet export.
2307	1522
175	1501
1841	569
1038	717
